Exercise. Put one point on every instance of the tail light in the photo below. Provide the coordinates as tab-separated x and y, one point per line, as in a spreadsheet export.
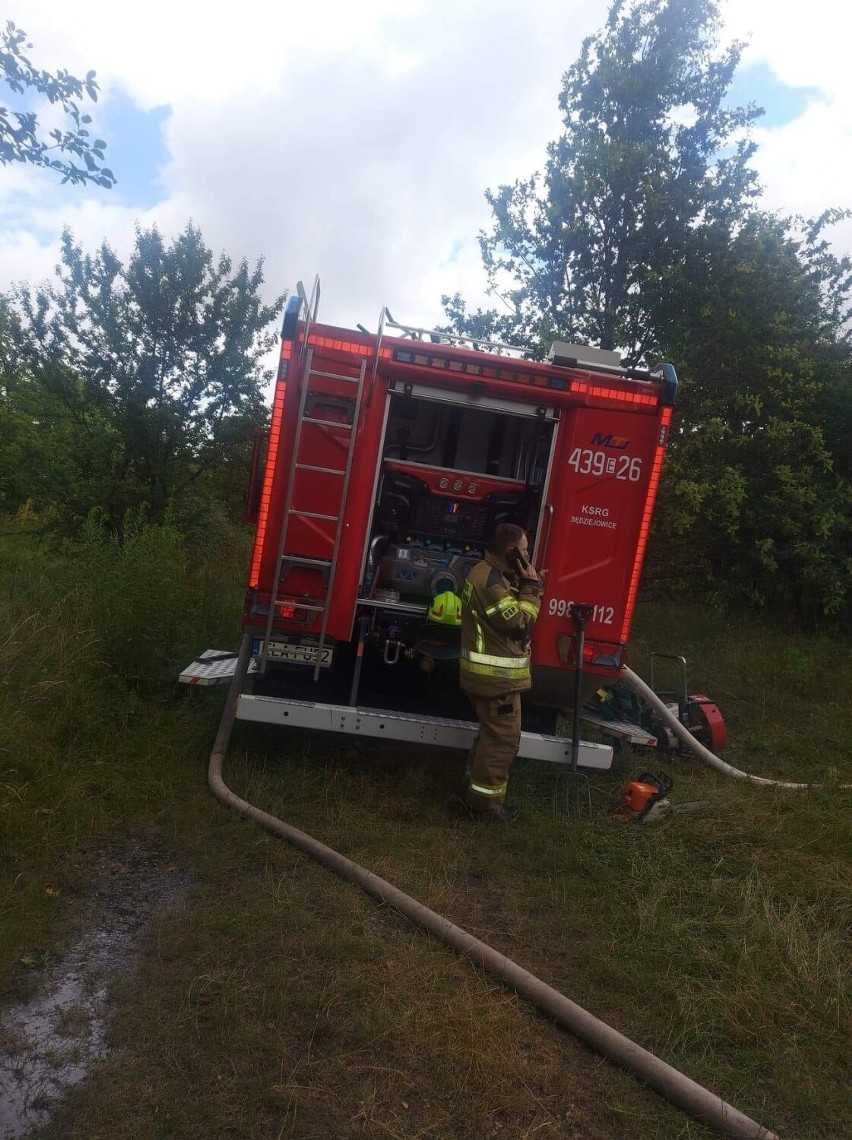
605	654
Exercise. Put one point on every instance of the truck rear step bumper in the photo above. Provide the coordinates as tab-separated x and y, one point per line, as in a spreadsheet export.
441	731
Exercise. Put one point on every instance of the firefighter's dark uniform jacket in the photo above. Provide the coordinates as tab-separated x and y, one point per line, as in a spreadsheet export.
498	611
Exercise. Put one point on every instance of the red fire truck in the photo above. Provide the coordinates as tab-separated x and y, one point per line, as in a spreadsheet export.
389	461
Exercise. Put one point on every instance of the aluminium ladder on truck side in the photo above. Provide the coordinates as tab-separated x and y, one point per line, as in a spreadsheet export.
287	559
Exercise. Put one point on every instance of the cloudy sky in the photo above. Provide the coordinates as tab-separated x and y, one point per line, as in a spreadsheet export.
355	139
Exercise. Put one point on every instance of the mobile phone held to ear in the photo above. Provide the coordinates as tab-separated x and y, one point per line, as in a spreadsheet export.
516	559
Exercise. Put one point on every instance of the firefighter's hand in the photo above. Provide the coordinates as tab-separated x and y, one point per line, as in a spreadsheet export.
528	573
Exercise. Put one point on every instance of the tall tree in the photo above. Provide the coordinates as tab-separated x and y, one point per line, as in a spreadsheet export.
147	364
649	155
757	504
644	234
21	138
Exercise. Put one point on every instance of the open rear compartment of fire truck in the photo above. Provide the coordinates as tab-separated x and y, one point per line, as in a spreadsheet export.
389	462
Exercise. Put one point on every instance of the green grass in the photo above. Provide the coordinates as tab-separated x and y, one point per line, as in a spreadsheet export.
284	1002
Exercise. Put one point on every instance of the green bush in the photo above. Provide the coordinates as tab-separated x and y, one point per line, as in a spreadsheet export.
121	611
133	589
151	599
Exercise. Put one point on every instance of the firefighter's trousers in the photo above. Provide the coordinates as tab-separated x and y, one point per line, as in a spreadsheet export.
494	749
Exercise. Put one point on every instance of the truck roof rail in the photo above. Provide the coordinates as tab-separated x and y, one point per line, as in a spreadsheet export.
572	355
438	336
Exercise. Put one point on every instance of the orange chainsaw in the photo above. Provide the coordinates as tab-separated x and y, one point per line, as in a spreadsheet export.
645	800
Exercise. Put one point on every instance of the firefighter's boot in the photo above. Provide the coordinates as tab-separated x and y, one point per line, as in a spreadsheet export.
508	813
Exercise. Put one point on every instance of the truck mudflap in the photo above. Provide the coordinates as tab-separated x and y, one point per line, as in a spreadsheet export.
414	728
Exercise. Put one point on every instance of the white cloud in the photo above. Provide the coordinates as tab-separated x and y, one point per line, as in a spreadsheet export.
357	140
803	164
167	51
373	181
805	47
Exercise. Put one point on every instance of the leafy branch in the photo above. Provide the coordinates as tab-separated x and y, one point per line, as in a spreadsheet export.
71	152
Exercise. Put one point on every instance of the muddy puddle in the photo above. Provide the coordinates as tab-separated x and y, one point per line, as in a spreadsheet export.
50	1041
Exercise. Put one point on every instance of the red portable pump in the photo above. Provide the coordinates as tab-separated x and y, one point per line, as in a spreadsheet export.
389	461
695	711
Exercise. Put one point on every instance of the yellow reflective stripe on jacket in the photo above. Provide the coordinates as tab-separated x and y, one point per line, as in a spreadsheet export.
530	608
482	790
504	672
498	607
493	659
507	608
480	636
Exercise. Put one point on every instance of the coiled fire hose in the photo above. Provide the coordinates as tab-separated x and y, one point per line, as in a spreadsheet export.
669	1082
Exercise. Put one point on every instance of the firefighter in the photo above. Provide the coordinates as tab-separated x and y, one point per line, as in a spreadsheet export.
500	602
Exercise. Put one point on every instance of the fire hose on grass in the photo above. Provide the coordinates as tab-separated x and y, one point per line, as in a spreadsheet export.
683	734
669	1082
